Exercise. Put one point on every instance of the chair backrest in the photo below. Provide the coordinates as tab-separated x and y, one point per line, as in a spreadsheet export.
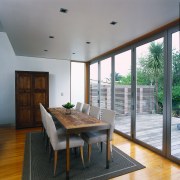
78	107
86	108
109	117
52	131
94	111
43	115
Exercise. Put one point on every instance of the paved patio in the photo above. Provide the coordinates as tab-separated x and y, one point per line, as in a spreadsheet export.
149	130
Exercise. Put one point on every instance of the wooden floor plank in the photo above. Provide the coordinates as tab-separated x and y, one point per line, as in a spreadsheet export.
12	154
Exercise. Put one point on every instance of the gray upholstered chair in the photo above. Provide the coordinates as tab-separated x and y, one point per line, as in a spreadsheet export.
100	136
86	108
60	130
78	107
43	118
94	111
58	142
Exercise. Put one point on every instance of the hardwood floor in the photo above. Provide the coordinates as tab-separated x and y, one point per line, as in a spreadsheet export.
12	153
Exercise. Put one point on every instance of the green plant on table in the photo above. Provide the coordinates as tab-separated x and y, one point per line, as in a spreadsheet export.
68	105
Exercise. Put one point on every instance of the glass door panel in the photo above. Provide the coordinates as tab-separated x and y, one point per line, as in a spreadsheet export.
122	102
77	75
105	84
93	100
149	93
175	115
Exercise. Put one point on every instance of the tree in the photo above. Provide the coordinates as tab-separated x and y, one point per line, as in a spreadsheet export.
142	77
125	80
176	83
176	68
117	76
152	66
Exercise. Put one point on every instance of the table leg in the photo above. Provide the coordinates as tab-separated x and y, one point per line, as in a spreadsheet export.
108	149
67	156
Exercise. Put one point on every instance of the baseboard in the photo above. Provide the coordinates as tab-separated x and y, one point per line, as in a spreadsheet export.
7	125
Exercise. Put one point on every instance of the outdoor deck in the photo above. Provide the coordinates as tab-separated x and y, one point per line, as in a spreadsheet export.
149	130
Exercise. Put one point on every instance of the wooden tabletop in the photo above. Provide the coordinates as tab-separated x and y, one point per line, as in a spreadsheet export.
78	121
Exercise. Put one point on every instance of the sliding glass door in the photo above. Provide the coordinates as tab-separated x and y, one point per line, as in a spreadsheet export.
142	85
122	95
105	84
94	87
175	95
149	93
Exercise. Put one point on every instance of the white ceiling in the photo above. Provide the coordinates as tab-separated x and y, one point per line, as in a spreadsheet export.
29	23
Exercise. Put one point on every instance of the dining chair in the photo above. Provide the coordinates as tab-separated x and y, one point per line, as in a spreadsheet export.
44	127
86	108
58	142
94	111
100	136
78	107
60	129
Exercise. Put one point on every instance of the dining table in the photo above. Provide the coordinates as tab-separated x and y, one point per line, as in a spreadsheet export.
76	123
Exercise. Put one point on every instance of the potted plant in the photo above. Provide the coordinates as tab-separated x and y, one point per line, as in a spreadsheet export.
68	107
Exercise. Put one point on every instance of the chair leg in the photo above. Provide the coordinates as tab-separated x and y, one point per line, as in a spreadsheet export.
44	133
82	155
75	151
42	129
46	143
89	152
101	146
55	161
111	151
50	152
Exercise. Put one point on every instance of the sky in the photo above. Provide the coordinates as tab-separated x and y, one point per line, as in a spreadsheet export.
176	41
123	63
123	60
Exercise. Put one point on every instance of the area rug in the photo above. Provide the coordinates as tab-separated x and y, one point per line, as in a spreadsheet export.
37	166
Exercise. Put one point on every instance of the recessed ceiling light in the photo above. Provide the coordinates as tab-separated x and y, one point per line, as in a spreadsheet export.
63	10
88	42
51	37
113	22
45	50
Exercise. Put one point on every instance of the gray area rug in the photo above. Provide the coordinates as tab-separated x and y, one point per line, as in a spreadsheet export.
37	166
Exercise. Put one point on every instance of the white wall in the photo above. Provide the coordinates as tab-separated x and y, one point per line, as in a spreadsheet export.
7	79
59	78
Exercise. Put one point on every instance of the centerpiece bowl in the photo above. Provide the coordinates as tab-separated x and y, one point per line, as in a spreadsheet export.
68	106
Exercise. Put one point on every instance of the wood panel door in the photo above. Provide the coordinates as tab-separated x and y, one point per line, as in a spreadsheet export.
40	95
24	115
32	88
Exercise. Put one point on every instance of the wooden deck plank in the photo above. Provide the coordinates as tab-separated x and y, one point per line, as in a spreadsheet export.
149	129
